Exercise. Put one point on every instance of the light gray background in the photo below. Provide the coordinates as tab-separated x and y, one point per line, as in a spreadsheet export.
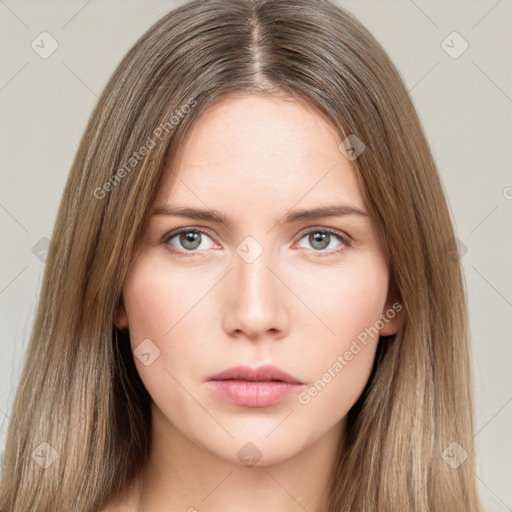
465	105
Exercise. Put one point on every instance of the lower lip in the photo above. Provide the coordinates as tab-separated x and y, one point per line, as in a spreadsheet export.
254	394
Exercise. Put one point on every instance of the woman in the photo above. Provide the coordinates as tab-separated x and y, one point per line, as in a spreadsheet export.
251	298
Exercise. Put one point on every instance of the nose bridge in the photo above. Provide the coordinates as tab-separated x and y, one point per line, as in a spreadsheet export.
253	277
255	304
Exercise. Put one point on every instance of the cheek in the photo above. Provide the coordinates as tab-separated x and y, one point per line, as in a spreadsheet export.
338	386
146	305
348	300
156	297
162	306
339	371
350	305
152	312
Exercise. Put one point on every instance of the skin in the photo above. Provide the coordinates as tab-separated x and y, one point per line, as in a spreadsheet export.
299	305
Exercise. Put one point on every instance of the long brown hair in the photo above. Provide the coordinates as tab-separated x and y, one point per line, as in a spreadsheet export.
80	424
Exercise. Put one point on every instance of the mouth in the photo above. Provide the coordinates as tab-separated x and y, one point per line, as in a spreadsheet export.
254	387
266	373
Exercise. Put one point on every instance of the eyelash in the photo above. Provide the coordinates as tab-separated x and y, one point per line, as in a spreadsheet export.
347	241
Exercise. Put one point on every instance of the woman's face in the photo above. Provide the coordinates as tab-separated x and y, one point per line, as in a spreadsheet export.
269	285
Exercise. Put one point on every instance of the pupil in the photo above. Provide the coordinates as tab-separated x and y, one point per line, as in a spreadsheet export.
190	239
320	238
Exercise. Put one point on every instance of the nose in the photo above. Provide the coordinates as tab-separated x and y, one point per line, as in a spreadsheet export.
255	299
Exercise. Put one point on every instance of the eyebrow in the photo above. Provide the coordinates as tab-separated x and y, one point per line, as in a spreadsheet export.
334	210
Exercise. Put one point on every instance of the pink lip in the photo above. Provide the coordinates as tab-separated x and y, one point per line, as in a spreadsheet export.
254	387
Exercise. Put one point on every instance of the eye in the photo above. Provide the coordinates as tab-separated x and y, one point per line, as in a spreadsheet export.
321	239
186	240
190	240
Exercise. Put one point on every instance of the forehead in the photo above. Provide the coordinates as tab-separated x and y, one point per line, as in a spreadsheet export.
259	150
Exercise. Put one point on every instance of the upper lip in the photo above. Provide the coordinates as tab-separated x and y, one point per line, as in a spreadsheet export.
266	372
